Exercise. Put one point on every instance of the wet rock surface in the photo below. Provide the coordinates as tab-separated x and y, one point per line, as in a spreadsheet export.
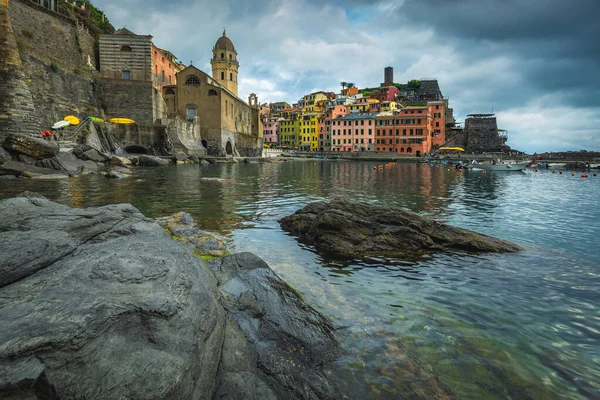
290	339
102	303
30	146
357	229
151	161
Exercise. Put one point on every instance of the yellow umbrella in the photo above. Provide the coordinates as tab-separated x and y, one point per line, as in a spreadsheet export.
121	121
451	149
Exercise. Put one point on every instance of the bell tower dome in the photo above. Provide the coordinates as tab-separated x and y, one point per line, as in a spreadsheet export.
225	64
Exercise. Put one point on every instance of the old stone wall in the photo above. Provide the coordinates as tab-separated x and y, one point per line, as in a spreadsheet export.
186	136
482	135
152	138
17	113
61	93
128	99
50	36
248	145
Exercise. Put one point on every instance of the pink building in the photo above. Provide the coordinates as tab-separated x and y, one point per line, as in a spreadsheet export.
353	132
271	129
330	114
387	93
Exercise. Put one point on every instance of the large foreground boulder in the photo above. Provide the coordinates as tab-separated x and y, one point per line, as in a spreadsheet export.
357	229
102	304
30	146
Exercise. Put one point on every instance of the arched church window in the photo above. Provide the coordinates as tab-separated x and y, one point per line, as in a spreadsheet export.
125	48
212	92
230	56
222	76
230	76
222	55
192	80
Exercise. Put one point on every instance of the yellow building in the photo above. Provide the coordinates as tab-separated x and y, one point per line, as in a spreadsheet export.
309	131
225	64
359	108
313	101
288	130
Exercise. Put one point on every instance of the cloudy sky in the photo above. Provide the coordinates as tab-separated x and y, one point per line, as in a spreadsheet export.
535	63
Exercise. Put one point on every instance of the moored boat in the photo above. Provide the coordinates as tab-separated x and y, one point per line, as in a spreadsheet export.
499	165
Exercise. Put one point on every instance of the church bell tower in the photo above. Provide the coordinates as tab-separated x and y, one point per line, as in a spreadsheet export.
225	64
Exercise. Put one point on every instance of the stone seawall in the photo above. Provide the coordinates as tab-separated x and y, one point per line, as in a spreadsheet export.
50	36
17	113
60	93
127	99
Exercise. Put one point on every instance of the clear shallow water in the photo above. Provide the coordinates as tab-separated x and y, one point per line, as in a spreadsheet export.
524	325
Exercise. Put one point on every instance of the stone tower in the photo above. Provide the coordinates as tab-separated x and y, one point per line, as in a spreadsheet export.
388	76
225	64
17	113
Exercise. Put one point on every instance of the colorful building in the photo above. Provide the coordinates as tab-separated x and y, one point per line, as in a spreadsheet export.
353	132
271	129
308	130
330	114
406	132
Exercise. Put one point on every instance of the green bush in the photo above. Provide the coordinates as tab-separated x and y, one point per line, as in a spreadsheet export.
54	66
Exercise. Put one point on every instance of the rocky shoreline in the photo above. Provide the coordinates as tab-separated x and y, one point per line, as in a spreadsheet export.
105	303
30	157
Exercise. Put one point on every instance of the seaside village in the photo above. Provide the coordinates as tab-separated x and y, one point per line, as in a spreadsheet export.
117	90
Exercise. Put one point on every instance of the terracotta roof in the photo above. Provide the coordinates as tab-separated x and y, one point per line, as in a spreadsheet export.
224	43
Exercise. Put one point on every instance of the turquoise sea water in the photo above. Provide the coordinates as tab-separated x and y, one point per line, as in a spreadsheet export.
516	326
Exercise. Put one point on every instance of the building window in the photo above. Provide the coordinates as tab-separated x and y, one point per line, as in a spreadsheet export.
222	76
163	75
126	48
212	92
169	91
230	76
127	75
192	80
222	55
190	112
230	56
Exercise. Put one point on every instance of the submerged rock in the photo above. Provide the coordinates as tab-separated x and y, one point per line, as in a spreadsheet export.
4	155
357	229
30	146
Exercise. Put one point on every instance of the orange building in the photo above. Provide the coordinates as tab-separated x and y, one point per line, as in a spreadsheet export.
165	67
406	132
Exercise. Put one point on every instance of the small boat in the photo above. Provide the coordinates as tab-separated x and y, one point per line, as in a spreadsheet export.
594	166
556	165
61	124
320	157
121	121
499	165
95	119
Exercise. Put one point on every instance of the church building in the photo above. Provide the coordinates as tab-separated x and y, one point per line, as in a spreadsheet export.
228	125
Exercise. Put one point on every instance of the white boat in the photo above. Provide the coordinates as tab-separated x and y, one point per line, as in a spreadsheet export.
557	165
61	124
500	165
594	166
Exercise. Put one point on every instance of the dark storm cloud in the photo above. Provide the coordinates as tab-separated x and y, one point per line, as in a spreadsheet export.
555	42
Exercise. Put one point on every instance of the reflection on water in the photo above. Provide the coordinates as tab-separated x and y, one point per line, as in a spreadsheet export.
523	325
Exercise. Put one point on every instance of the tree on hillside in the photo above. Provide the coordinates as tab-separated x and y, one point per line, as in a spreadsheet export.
350	85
